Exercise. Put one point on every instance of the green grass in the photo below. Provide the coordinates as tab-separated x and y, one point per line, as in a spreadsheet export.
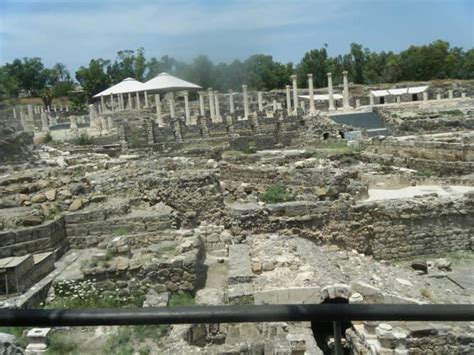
130	339
120	231
83	139
250	150
248	299
276	194
181	300
60	344
231	153
424	173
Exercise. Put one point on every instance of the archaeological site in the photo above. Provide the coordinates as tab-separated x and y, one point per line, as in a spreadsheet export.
165	194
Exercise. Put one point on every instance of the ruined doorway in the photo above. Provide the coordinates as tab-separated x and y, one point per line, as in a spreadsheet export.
382	100
414	97
326	136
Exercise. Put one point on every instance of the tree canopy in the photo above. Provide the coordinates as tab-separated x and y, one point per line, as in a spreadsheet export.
436	60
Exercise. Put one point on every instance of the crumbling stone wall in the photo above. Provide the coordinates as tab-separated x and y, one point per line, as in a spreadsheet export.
440	157
46	237
196	195
388	229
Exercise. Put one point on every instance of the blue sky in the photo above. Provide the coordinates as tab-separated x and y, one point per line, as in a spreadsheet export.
74	31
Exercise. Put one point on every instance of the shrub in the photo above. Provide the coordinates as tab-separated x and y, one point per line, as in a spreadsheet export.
424	173
181	299
60	344
83	139
275	194
250	150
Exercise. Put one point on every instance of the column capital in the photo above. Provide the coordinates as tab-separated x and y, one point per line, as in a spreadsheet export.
293	76
185	93
345	72
310	75
329	74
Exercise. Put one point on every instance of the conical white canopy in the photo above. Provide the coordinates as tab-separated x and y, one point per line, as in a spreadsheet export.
165	81
125	86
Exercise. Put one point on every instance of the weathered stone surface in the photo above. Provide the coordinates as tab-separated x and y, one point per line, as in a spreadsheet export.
75	205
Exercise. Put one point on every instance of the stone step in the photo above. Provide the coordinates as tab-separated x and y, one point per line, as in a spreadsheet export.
240	270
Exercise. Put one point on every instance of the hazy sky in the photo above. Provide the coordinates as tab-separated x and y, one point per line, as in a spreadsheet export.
74	31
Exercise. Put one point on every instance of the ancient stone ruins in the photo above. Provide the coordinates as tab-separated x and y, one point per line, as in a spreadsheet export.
348	194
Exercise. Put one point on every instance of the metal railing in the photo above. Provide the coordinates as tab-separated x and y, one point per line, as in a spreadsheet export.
335	313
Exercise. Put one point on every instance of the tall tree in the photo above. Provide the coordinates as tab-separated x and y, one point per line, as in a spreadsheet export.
94	77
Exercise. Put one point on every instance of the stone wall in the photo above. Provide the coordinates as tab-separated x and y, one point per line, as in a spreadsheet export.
46	237
389	229
195	194
440	157
89	228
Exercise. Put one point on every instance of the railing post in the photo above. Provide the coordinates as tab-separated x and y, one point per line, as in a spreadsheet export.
337	338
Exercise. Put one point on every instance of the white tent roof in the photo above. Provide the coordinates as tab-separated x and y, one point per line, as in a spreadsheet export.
379	93
417	89
322	97
125	86
400	91
165	81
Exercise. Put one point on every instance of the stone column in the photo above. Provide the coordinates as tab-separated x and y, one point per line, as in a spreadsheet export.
330	93
110	122
288	99
129	101
146	98
121	101
55	108
92	116
186	108
138	100
202	112
311	94
218	110
30	113
260	101
438	96
14	113
357	103
425	96
231	102
275	106
246	101
463	95
345	98
212	111
102	104
73	125
159	118
295	94
399	100
111	102
67	108
44	122
171	102
450	94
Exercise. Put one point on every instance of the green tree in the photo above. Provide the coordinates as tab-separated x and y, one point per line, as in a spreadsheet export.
314	62
94	77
